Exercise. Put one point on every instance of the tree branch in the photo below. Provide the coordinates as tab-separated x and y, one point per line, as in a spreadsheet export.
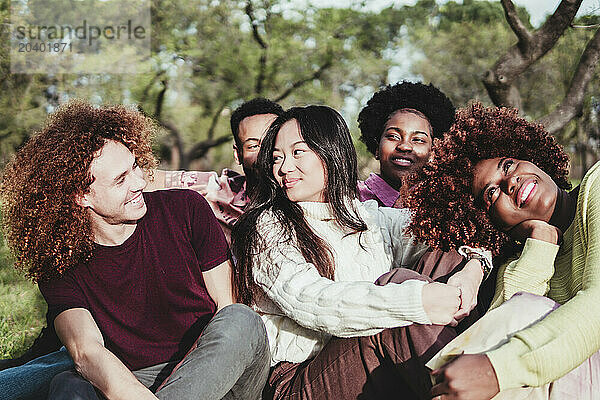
160	99
572	104
4	135
146	91
177	143
585	26
171	128
262	62
499	80
215	119
517	26
200	148
254	22
555	25
303	81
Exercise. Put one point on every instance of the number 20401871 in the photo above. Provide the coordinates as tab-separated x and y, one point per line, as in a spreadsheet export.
45	47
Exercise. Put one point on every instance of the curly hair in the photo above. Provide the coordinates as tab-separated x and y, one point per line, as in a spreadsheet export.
446	214
46	229
427	99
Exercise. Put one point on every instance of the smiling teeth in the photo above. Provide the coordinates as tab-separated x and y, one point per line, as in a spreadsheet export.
403	160
527	191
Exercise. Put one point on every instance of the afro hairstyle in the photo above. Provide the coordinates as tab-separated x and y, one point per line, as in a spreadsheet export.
427	99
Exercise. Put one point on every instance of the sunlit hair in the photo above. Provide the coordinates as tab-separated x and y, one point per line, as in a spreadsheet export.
446	213
46	229
325	132
428	100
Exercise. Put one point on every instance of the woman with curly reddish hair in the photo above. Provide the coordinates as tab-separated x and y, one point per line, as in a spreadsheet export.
500	182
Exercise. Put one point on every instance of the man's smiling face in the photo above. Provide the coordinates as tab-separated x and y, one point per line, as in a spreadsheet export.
115	195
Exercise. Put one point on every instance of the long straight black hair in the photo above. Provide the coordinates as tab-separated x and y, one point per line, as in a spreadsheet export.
326	133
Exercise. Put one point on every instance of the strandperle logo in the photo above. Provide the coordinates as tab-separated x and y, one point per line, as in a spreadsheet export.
85	36
84	31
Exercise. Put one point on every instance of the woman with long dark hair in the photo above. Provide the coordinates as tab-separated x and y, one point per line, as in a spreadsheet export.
308	252
500	182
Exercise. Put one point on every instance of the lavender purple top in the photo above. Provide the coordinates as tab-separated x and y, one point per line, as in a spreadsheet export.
375	188
147	295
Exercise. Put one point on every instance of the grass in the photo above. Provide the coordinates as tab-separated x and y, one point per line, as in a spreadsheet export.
22	308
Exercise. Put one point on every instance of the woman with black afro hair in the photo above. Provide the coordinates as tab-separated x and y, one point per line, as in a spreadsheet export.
398	125
498	181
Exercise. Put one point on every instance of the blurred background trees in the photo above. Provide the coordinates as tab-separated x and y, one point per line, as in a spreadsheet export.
208	56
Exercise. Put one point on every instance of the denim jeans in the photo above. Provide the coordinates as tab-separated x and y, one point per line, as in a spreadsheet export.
230	361
31	381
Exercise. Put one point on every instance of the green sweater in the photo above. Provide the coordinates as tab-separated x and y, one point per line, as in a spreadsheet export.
570	276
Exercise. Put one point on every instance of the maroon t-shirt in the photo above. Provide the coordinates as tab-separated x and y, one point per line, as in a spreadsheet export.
147	295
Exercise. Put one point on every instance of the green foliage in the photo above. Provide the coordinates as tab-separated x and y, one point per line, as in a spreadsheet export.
454	44
208	58
22	309
458	43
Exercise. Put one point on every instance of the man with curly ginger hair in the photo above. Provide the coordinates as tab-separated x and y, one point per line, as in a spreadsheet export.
398	125
138	285
227	194
500	182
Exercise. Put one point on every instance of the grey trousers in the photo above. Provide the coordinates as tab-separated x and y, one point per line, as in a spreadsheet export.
230	361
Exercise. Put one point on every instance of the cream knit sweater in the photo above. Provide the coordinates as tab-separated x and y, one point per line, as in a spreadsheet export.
302	310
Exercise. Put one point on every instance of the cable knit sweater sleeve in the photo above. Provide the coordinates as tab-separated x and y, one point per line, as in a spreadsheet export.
392	222
343	309
569	335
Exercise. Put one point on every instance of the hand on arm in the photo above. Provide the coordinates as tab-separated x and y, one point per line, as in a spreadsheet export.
467	377
468	281
79	333
441	302
218	283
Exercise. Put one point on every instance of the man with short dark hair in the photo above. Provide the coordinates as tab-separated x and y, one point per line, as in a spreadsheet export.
228	194
249	123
